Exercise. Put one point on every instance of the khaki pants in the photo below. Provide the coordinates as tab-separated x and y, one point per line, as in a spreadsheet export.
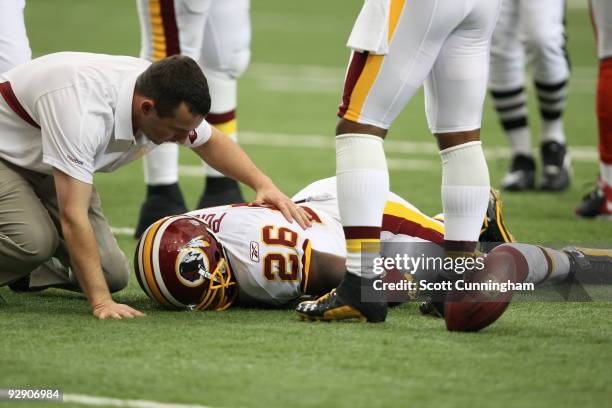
31	240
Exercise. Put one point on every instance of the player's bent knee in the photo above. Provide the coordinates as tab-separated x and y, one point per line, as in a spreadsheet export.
231	68
39	244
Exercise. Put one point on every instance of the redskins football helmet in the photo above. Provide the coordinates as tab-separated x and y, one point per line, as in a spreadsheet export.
180	264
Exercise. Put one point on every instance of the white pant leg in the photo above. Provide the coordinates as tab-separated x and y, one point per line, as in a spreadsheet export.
543	34
227	38
389	82
225	55
602	15
456	88
161	165
14	45
507	54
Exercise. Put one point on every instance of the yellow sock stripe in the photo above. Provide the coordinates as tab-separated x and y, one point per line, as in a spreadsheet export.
147	264
229	128
399	210
372	68
355	245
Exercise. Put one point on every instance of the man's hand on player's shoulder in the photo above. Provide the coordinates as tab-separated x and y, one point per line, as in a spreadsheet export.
268	193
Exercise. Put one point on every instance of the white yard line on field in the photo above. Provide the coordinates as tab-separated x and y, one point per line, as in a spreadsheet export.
123	231
430	162
319	79
115	402
578	153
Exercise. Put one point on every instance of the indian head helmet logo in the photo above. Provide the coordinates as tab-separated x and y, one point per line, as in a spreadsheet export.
192	264
193	135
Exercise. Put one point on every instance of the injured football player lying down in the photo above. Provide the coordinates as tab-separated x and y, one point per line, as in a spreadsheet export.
250	255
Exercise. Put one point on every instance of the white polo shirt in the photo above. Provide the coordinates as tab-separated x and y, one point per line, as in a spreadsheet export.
82	103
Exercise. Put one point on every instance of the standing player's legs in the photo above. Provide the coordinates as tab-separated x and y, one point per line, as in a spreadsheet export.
542	24
507	87
376	90
14	45
167	27
599	202
224	56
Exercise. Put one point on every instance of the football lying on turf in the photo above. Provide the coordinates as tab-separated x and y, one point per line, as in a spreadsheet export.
473	310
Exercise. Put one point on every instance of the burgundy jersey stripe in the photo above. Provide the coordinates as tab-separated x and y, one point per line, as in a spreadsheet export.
361	232
354	71
171	35
217	118
9	96
399	225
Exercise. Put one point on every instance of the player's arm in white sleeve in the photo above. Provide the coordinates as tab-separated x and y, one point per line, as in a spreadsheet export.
226	156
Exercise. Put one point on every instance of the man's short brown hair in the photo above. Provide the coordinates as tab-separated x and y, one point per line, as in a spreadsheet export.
173	80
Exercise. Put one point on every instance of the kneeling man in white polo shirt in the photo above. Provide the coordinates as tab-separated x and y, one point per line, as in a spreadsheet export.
65	116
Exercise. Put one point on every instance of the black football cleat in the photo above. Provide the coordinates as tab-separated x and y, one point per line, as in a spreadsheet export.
494	232
161	201
595	205
220	191
555	167
345	302
521	175
590	265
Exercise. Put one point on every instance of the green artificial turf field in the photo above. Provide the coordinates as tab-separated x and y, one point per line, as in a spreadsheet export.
539	354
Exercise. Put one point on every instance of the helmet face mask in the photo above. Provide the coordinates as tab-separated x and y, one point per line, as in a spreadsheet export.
180	264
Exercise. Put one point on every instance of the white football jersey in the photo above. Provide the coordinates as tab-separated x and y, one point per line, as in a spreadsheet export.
270	256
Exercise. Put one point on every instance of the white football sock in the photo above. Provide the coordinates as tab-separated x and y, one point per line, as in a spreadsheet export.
161	165
465	191
552	131
363	186
520	141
